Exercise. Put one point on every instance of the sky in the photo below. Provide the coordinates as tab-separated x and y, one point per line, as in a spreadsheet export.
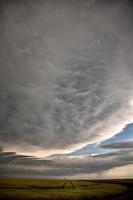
66	95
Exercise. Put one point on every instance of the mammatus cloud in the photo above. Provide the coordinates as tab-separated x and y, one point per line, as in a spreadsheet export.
65	81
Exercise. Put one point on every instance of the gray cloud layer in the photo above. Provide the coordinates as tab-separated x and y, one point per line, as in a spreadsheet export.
119	145
65	72
18	165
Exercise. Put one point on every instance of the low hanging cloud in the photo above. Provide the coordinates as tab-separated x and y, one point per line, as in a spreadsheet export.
119	145
65	74
100	166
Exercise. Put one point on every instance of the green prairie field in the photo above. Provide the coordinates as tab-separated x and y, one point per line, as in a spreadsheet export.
35	189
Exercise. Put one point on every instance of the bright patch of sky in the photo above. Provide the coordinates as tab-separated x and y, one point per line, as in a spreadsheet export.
125	135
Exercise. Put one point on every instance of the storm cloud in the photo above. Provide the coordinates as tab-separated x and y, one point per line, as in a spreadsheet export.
63	166
65	75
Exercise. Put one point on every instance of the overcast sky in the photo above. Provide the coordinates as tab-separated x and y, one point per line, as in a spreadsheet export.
66	88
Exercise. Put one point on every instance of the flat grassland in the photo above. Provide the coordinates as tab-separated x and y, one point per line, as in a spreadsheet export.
36	189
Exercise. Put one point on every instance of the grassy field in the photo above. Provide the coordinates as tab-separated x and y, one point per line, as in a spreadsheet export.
29	189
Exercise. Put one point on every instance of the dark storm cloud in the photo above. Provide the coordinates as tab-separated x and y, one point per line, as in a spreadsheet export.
65	73
11	158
